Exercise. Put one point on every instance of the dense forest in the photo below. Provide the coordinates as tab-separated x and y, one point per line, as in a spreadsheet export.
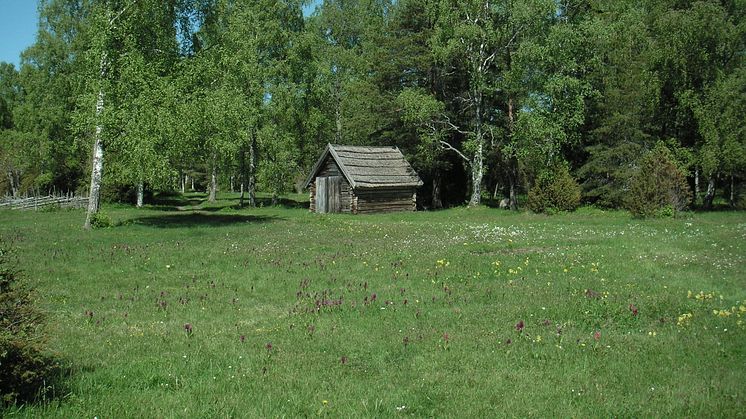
484	97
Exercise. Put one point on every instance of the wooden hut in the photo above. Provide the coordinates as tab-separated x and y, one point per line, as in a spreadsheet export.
361	180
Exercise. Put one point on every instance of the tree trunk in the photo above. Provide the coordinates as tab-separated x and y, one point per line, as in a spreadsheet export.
437	201
213	180
232	189
732	192
513	179
710	194
477	172
13	184
252	172
192	180
183	184
512	163
242	172
477	163
97	166
275	199
696	185
513	200
140	193
338	111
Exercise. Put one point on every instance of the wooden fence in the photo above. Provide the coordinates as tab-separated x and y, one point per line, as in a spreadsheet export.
41	202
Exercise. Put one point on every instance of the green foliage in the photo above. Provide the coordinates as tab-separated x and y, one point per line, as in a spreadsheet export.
659	186
555	190
278	169
501	90
101	220
25	365
607	171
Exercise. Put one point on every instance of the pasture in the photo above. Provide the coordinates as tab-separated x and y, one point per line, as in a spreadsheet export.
186	309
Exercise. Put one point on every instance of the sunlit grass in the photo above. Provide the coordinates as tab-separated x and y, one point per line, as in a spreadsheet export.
464	312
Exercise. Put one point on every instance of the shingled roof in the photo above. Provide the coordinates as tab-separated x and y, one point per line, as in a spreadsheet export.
369	167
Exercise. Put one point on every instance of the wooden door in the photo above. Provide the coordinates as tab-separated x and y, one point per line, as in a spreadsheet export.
328	190
321	195
334	194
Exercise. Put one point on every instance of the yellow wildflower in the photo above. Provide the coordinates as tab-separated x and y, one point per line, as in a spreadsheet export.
721	313
684	319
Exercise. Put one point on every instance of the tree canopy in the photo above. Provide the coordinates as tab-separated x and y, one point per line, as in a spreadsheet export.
482	95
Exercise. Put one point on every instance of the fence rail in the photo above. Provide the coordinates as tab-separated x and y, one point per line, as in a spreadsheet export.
41	202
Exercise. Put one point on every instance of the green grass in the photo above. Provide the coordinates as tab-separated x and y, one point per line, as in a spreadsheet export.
276	275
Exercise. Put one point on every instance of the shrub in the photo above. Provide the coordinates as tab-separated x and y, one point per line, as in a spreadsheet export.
101	220
658	187
555	190
24	364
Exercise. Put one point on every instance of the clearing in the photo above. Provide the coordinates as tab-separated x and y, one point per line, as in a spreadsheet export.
464	312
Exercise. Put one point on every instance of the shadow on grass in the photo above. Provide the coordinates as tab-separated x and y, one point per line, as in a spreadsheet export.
191	219
176	202
171	201
282	202
260	203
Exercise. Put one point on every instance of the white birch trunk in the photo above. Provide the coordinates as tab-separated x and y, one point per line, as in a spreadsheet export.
213	181
338	110
140	193
97	166
477	173
477	163
513	199
252	173
710	194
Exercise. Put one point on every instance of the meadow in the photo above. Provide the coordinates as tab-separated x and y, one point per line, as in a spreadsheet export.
186	309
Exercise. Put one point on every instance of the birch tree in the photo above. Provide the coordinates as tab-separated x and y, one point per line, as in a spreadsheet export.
106	17
465	40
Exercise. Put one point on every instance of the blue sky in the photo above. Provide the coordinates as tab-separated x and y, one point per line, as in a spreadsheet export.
18	20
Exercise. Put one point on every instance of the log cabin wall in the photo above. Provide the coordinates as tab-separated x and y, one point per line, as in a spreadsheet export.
385	200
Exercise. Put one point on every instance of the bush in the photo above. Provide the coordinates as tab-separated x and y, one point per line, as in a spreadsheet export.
658	188
555	190
101	220
24	364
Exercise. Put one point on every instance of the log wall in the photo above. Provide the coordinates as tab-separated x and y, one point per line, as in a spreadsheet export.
385	200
